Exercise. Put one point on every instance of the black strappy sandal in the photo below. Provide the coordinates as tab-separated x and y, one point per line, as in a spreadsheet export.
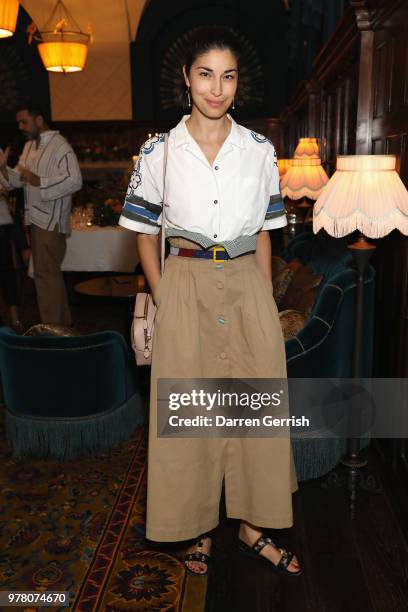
199	556
255	552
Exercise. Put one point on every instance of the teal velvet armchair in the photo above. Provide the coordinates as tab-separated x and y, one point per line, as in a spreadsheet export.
67	397
324	347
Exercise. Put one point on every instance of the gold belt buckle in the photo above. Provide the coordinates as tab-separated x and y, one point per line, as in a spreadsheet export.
215	249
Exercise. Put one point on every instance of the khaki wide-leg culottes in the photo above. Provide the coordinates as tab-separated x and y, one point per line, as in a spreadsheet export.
185	475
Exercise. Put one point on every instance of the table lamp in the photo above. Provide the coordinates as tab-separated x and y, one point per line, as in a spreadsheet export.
283	166
305	177
365	194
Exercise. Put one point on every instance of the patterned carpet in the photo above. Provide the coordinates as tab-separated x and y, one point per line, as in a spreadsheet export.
79	527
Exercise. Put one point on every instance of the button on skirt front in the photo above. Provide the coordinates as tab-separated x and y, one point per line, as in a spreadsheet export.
215	321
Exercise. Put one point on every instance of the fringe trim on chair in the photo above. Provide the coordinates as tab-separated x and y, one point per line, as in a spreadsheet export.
65	438
315	457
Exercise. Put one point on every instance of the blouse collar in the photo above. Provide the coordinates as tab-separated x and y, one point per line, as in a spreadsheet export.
182	135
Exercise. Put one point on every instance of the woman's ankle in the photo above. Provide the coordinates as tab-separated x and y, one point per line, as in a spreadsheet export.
249	526
249	531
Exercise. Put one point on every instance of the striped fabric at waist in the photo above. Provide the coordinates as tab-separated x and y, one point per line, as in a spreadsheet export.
234	248
215	253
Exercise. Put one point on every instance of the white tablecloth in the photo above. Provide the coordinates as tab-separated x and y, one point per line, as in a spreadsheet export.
99	249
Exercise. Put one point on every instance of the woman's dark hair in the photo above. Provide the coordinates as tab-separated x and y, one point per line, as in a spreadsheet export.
208	38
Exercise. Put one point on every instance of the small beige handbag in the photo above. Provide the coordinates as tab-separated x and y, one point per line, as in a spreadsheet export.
145	309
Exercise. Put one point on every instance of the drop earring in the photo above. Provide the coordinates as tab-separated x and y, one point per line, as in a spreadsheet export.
233	104
188	97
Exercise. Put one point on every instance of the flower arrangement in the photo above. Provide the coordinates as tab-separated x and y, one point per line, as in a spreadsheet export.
107	212
102	198
115	205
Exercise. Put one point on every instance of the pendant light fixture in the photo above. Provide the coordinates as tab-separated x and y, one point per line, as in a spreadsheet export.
63	47
8	17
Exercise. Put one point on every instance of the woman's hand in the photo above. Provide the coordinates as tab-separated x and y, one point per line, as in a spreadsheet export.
263	254
148	250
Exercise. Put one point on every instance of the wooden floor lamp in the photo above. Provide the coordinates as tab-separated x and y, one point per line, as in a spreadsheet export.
365	194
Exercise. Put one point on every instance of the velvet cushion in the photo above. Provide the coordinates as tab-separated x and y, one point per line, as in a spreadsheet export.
278	264
281	278
292	321
302	291
68	397
43	329
294	265
65	376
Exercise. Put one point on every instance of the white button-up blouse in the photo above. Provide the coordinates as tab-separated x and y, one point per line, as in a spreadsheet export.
227	202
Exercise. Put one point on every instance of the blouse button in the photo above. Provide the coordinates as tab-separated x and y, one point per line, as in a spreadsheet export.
215	201
216	167
215	235
223	355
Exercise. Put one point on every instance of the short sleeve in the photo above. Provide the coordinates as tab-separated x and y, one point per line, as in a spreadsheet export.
143	202
275	214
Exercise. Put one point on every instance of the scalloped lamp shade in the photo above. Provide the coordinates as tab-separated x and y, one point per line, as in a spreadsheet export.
283	166
365	193
307	147
305	177
8	17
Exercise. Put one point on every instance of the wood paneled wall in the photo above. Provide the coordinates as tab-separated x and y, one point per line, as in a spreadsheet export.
326	105
390	94
389	130
357	102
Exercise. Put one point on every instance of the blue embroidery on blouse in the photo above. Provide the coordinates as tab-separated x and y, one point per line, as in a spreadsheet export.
259	137
136	178
149	144
146	148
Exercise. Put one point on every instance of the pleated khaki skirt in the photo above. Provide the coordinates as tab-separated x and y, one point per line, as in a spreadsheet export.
185	475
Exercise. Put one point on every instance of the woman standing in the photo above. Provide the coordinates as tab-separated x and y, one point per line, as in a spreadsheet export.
8	276
215	319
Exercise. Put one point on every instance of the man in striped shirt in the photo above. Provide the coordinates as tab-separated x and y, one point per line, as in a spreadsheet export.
49	172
